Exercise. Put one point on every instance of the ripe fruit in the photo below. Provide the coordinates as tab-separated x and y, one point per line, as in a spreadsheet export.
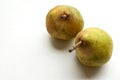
93	46
64	22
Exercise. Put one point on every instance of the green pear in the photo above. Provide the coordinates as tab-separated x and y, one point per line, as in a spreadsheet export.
93	47
64	22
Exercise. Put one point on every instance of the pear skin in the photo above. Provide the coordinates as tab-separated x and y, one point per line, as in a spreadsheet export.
94	47
64	22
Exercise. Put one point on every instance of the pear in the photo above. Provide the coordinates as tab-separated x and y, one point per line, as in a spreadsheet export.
64	22
93	47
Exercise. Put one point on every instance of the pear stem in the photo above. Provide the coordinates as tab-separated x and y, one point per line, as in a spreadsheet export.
64	16
75	46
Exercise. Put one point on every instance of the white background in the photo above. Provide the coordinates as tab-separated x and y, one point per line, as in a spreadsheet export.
27	52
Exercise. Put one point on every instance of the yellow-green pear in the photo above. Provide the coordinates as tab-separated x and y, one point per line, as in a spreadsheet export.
93	46
64	22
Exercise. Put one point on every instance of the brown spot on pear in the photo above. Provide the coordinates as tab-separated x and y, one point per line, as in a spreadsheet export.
64	22
94	48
